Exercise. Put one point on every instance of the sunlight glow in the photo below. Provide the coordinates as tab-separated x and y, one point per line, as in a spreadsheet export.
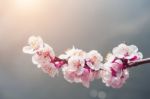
27	4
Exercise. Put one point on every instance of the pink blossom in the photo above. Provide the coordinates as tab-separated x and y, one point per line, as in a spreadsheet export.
82	67
50	69
85	77
76	63
35	43
79	66
73	52
44	60
94	59
44	56
113	74
130	52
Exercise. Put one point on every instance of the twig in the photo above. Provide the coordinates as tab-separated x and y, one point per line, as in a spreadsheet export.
139	62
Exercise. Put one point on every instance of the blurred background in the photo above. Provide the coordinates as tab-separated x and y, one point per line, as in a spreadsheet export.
87	24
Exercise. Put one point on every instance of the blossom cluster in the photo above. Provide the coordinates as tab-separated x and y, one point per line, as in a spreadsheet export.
114	72
43	55
83	67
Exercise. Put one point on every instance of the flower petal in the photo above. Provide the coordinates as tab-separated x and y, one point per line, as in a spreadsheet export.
28	50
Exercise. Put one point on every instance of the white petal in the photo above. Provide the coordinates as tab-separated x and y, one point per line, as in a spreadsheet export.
63	56
120	51
140	55
75	60
122	45
133	48
35	38
35	42
98	66
117	52
110	57
38	66
34	59
28	50
95	53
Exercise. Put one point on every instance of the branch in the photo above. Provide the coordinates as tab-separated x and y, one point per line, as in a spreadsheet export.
83	67
139	62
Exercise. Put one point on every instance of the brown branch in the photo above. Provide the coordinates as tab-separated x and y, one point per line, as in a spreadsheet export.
139	62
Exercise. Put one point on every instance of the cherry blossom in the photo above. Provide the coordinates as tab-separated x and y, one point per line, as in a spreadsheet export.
73	52
94	59
43	55
44	59
35	43
130	52
50	69
76	63
113	73
85	77
83	67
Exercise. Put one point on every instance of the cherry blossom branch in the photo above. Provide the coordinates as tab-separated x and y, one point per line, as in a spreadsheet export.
129	65
83	67
139	62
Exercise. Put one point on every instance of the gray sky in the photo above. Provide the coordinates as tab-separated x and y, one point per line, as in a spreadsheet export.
87	24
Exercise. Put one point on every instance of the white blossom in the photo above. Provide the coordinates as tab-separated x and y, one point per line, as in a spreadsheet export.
76	63
114	75
94	59
35	44
127	52
43	56
72	52
50	69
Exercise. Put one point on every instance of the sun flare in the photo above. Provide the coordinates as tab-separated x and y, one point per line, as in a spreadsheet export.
27	4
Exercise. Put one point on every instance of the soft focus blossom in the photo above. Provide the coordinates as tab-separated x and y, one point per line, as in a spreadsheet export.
73	52
130	52
44	56
94	59
110	57
79	66
85	77
44	60
113	74
50	69
76	63
82	67
35	43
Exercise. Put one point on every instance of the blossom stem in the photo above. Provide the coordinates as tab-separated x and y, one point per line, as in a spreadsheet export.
59	62
129	65
139	62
